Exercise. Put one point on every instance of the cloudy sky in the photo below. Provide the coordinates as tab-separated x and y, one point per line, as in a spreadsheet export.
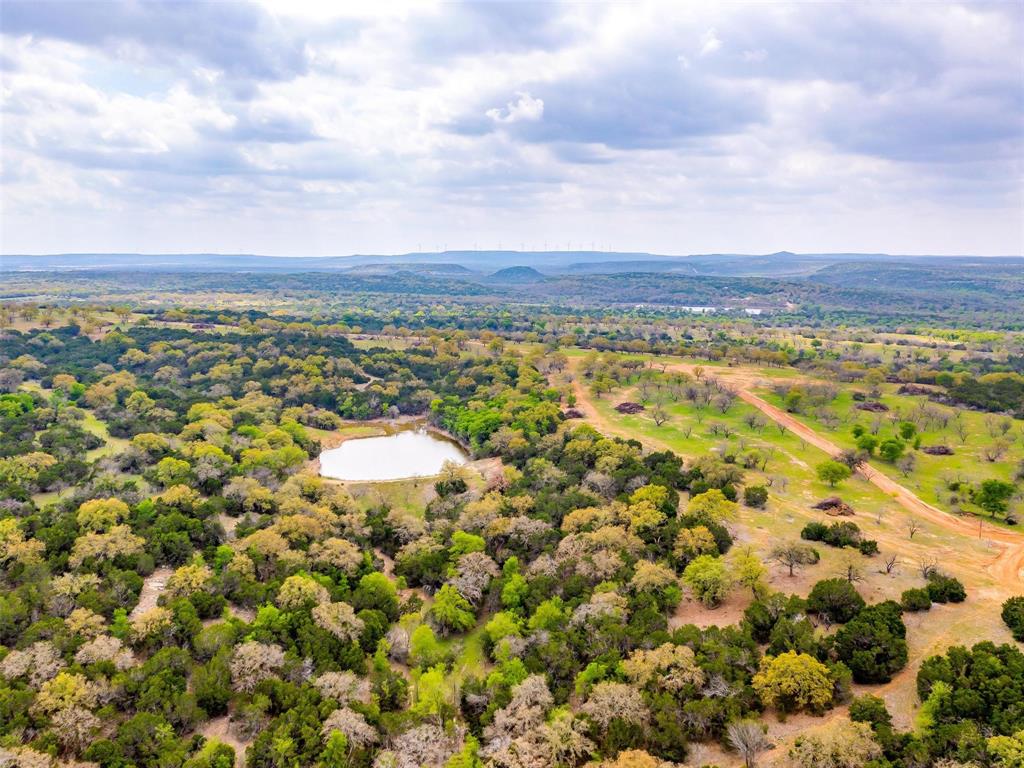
313	128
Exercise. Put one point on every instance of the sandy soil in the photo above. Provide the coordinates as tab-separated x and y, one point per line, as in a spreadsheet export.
220	728
152	587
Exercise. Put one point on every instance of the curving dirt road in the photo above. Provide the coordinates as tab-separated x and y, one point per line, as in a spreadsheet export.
1008	566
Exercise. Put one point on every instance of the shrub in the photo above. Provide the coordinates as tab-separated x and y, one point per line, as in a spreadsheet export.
1013	616
916	600
945	589
871	710
844	534
835	599
451	487
755	496
873	644
814	532
868	547
707	577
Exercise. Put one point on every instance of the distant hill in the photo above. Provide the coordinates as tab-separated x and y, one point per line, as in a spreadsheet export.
440	270
516	276
507	266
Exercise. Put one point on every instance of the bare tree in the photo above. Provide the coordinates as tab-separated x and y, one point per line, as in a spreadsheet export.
724	401
906	464
793	556
890	563
749	739
960	427
995	451
852	572
928	566
754	421
659	414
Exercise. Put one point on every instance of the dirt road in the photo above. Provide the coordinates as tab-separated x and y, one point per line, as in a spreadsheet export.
1007	567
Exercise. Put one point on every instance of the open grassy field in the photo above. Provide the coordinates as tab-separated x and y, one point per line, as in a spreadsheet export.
970	437
98	427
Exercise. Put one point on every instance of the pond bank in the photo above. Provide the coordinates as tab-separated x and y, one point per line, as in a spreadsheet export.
381	428
418	452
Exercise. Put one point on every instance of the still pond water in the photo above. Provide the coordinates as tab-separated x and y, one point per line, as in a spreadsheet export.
409	453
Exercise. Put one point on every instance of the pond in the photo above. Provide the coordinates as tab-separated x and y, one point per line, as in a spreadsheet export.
404	454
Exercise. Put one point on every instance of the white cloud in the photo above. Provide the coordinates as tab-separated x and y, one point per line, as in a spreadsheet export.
526	108
356	128
709	42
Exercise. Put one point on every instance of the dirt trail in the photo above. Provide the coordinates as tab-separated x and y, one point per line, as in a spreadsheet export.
152	587
1008	566
591	414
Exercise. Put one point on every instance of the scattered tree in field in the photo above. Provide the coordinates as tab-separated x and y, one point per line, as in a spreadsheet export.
993	496
849	569
906	464
832	472
995	450
794	556
749	572
660	414
708	578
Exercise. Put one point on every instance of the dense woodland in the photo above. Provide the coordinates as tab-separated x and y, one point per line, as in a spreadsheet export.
519	621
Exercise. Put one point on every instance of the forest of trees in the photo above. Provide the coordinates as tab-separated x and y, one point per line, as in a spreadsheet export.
335	634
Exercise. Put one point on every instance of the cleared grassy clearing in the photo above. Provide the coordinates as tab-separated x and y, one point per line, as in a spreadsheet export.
469	657
99	428
930	477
